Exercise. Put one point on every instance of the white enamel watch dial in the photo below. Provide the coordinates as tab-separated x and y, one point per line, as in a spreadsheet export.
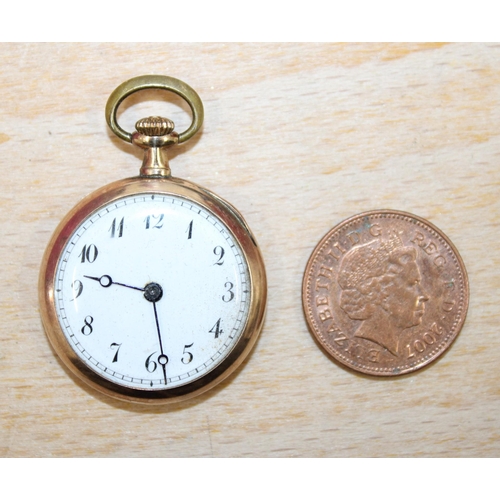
153	289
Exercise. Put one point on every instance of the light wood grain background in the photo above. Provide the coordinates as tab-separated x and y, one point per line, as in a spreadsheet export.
298	137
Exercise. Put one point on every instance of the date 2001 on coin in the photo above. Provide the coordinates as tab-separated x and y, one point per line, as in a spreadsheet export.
385	292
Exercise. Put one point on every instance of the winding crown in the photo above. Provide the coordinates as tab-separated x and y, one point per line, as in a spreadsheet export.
154	126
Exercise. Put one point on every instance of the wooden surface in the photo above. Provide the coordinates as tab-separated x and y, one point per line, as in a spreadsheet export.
298	137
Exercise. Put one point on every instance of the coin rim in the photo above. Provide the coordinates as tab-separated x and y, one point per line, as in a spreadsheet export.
391	372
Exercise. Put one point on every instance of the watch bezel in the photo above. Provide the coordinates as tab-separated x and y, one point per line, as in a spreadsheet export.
220	209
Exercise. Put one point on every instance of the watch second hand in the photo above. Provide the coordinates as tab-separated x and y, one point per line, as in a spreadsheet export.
106	281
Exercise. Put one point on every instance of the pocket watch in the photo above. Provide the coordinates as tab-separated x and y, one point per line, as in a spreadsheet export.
153	289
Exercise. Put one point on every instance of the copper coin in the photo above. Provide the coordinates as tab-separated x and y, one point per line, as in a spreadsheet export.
385	292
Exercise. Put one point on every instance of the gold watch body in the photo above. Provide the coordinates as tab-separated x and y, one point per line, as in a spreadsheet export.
182	189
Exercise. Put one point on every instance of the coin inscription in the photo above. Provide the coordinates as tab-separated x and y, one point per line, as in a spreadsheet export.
385	292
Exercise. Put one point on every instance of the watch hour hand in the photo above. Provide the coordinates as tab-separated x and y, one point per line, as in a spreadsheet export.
106	281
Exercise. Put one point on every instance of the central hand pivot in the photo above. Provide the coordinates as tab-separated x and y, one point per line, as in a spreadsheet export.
153	292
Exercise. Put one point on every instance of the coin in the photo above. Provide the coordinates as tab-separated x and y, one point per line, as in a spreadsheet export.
385	292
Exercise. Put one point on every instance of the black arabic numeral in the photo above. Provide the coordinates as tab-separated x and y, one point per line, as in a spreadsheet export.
151	365
77	286
89	254
190	230
156	225
113	230
189	357
219	252
87	328
217	330
112	346
229	296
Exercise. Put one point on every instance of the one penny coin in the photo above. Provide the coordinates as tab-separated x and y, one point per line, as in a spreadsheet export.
385	292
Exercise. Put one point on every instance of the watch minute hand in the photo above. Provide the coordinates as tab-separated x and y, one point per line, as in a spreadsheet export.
162	358
153	292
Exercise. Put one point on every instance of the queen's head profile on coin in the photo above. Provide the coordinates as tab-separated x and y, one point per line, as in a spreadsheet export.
380	285
385	292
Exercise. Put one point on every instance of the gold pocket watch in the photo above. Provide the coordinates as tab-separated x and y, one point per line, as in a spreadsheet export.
153	289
